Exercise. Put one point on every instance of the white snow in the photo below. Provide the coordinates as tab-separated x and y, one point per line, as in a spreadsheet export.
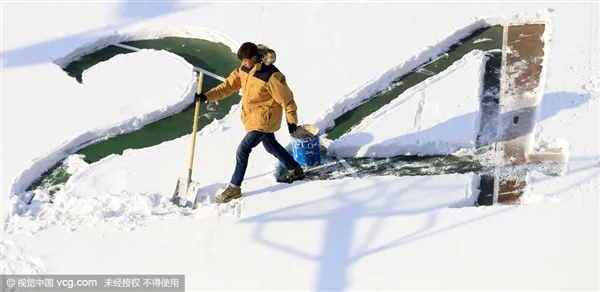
424	55
75	164
548	143
438	116
330	221
481	40
123	210
117	96
370	233
16	261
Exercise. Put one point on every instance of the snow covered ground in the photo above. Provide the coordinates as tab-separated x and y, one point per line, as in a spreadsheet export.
117	96
436	117
360	233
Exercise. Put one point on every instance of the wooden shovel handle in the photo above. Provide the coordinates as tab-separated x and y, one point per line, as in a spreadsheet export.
195	128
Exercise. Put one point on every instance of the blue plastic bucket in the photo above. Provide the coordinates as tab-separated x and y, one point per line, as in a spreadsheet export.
305	146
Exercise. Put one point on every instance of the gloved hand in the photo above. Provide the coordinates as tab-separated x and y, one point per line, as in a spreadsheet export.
292	128
200	97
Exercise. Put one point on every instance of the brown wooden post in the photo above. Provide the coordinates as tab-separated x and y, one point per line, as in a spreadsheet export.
523	53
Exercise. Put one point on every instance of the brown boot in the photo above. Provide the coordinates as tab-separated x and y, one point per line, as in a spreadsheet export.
293	175
229	194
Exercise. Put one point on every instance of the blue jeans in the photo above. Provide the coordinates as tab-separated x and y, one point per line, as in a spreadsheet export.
252	139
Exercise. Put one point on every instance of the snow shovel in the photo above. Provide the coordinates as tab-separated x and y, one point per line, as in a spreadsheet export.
186	190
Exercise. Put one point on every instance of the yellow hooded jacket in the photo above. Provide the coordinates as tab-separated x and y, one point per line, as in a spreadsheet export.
265	94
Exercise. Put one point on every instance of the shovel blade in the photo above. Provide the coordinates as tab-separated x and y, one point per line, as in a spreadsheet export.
186	194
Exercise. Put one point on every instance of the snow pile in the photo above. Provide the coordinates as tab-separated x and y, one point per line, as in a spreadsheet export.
546	144
550	155
215	126
72	165
119	96
75	164
123	211
438	116
16	261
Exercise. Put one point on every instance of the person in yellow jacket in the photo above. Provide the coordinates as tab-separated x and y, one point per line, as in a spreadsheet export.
265	96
